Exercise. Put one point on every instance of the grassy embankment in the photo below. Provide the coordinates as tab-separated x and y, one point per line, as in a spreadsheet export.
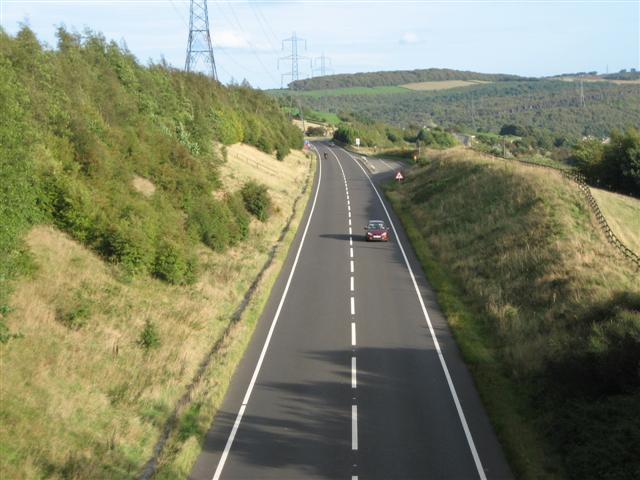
546	313
127	245
95	401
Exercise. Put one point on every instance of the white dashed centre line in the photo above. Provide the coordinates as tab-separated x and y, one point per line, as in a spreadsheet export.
352	284
353	334
353	306
350	252
354	427
354	383
351	263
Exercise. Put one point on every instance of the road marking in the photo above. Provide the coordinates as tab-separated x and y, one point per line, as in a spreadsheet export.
353	306
353	333
351	252
443	363
349	222
385	163
354	383
349	214
350	239
350	232
352	283
354	427
351	264
256	371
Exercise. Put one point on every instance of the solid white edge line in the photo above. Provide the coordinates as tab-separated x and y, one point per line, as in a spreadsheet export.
353	306
443	363
354	383
354	427
353	333
236	425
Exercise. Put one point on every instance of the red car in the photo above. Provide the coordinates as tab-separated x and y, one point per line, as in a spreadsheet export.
377	231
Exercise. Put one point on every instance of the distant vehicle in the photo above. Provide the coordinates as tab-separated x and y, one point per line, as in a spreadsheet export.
377	231
331	144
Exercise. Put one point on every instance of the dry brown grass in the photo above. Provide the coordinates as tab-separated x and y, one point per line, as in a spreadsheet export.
623	216
79	399
442	84
144	186
599	79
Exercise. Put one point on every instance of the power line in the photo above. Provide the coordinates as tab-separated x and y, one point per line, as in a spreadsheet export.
199	43
294	58
325	65
239	26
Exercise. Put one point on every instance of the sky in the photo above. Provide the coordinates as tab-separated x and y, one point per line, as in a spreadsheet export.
529	37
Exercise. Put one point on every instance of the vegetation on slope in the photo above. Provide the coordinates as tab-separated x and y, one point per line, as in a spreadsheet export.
394	78
550	106
99	394
547	315
141	252
84	120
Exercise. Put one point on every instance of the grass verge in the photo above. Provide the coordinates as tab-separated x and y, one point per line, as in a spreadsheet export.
546	314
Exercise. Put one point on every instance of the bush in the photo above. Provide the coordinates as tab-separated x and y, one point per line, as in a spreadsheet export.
149	337
256	200
172	265
316	131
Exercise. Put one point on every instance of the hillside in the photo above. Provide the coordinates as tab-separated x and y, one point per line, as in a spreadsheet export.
394	78
134	223
546	313
550	106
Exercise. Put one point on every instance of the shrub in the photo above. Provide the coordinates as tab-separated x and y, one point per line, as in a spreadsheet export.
149	337
316	131
172	265
256	200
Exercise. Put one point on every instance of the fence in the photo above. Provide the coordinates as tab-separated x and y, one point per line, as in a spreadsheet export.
595	208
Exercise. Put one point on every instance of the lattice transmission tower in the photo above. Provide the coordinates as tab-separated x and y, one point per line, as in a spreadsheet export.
324	65
294	57
199	47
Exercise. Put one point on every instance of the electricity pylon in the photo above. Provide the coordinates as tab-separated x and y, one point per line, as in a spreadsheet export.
294	57
325	65
199	46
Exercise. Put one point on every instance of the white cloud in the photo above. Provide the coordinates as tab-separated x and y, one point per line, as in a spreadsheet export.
408	38
233	39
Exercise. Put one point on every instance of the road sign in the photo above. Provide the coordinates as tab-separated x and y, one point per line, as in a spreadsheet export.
357	142
399	176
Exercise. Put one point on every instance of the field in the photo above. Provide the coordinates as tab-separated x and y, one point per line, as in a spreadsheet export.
599	79
441	85
623	215
90	401
343	92
546	313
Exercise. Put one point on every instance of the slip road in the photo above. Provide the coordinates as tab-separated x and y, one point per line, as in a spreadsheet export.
352	371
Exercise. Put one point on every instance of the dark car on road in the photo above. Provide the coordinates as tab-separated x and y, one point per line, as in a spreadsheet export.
377	231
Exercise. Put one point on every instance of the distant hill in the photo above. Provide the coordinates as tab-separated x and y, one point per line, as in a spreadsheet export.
398	77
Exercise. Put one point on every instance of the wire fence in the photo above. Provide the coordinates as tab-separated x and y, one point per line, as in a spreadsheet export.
579	180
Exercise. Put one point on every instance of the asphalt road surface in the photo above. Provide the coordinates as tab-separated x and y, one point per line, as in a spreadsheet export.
352	371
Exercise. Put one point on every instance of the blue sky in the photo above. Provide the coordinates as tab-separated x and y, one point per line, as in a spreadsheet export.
532	38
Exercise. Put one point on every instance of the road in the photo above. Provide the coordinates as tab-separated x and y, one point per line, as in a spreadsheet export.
352	371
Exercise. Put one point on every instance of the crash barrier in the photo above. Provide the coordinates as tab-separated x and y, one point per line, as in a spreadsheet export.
579	180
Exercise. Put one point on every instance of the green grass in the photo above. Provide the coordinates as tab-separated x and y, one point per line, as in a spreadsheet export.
546	314
341	92
623	215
